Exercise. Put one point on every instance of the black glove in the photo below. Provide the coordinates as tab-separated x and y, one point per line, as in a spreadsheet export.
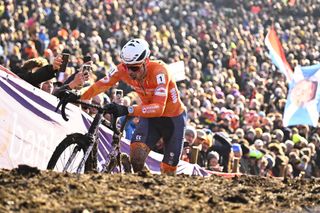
72	96
117	110
63	93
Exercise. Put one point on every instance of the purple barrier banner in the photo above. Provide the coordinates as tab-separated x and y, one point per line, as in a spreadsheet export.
30	129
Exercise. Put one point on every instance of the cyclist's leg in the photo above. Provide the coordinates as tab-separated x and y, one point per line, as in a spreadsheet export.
143	140
173	145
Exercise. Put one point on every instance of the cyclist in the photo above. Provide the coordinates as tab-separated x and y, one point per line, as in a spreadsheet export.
162	114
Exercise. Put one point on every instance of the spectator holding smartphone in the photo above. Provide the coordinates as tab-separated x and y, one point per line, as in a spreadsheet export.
77	80
37	70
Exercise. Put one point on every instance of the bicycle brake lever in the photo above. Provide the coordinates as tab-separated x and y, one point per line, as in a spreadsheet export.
58	106
63	110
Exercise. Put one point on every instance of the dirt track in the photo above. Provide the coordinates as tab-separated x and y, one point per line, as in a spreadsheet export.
26	190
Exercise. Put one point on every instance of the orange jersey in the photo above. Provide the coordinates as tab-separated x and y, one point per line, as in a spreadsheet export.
158	90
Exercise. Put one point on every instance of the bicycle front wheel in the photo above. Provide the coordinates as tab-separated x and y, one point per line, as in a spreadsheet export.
68	154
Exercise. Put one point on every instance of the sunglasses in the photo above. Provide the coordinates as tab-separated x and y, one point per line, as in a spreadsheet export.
84	107
134	68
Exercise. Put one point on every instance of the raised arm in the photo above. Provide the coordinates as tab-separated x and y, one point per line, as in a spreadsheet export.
102	85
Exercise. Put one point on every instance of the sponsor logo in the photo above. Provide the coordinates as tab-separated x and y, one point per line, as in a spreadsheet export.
138	137
112	71
149	109
171	158
174	95
105	79
160	91
144	110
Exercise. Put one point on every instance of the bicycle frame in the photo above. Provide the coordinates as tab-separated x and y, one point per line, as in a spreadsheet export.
114	155
92	137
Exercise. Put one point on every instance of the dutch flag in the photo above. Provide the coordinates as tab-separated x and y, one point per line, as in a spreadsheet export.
277	54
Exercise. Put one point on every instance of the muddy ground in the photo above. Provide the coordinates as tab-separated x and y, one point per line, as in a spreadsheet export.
41	191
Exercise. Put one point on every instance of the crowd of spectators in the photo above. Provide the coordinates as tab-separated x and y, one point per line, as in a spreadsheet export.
234	95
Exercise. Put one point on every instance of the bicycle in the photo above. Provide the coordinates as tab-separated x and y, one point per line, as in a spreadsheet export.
77	153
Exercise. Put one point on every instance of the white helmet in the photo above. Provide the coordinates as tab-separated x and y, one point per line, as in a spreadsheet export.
135	51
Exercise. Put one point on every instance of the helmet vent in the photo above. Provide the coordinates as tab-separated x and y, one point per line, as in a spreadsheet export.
141	57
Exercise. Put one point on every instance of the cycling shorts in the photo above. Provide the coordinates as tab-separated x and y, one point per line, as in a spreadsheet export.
171	129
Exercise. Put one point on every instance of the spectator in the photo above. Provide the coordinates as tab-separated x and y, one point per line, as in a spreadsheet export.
190	134
207	142
37	70
200	139
213	162
186	152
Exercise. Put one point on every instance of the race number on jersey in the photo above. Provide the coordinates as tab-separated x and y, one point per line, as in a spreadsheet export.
161	79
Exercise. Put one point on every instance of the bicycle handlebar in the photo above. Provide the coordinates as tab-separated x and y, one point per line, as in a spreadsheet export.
104	109
101	110
88	105
63	103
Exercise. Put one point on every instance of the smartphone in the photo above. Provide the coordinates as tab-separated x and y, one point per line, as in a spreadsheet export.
61	77
86	68
119	93
65	60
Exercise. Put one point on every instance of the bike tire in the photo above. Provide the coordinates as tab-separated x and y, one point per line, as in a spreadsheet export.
67	145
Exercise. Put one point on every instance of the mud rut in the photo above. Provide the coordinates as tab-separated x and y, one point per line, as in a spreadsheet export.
28	189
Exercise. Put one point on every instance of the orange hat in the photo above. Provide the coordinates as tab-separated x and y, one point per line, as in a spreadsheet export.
252	68
54	42
63	33
75	34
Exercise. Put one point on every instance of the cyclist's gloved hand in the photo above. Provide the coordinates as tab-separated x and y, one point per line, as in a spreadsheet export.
62	92
73	96
67	95
117	110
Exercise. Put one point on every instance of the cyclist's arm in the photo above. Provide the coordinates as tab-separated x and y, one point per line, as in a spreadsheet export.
102	85
158	103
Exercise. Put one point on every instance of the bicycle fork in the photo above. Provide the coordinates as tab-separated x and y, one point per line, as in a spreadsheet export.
83	160
85	157
113	160
71	158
